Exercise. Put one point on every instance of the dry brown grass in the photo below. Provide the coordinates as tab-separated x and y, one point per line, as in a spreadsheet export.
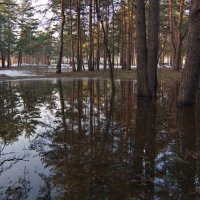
163	74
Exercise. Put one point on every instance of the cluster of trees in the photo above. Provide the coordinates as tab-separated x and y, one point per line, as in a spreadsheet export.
119	22
20	37
153	30
107	32
83	37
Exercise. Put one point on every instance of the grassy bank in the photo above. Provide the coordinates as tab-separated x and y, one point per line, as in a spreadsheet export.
163	74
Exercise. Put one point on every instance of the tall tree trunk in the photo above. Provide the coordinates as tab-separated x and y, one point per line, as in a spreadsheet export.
171	29
123	26
72	39
58	67
129	39
19	62
1	46
190	74
141	49
113	33
122	45
2	59
105	41
79	61
153	46
90	63
178	52
98	46
179	36
106	33
8	58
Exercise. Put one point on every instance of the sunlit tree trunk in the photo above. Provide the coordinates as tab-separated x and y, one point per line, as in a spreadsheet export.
58	67
123	38
190	74
129	39
113	33
72	38
106	33
122	45
98	46
79	59
90	63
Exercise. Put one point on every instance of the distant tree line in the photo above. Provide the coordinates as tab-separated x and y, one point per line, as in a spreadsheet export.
82	33
20	37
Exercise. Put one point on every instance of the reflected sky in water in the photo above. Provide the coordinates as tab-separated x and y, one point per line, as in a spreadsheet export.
75	139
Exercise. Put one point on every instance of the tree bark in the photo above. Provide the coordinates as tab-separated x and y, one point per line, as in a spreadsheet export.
129	39
113	33
105	41
179	36
79	60
98	46
58	67
153	47
8	55
141	49
190	74
19	62
171	30
106	33
90	63
2	59
72	39
8	58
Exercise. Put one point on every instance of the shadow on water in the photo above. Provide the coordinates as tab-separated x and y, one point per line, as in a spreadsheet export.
78	140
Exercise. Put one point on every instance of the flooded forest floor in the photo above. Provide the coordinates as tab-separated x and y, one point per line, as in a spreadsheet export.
44	72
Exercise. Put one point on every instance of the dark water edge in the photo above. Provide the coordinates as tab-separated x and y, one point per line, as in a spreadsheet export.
74	139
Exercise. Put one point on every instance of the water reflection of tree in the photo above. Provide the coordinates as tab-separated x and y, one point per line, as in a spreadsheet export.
134	151
185	164
20	104
144	150
9	100
176	139
75	150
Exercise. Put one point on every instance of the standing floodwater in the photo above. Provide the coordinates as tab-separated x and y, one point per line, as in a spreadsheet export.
76	140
